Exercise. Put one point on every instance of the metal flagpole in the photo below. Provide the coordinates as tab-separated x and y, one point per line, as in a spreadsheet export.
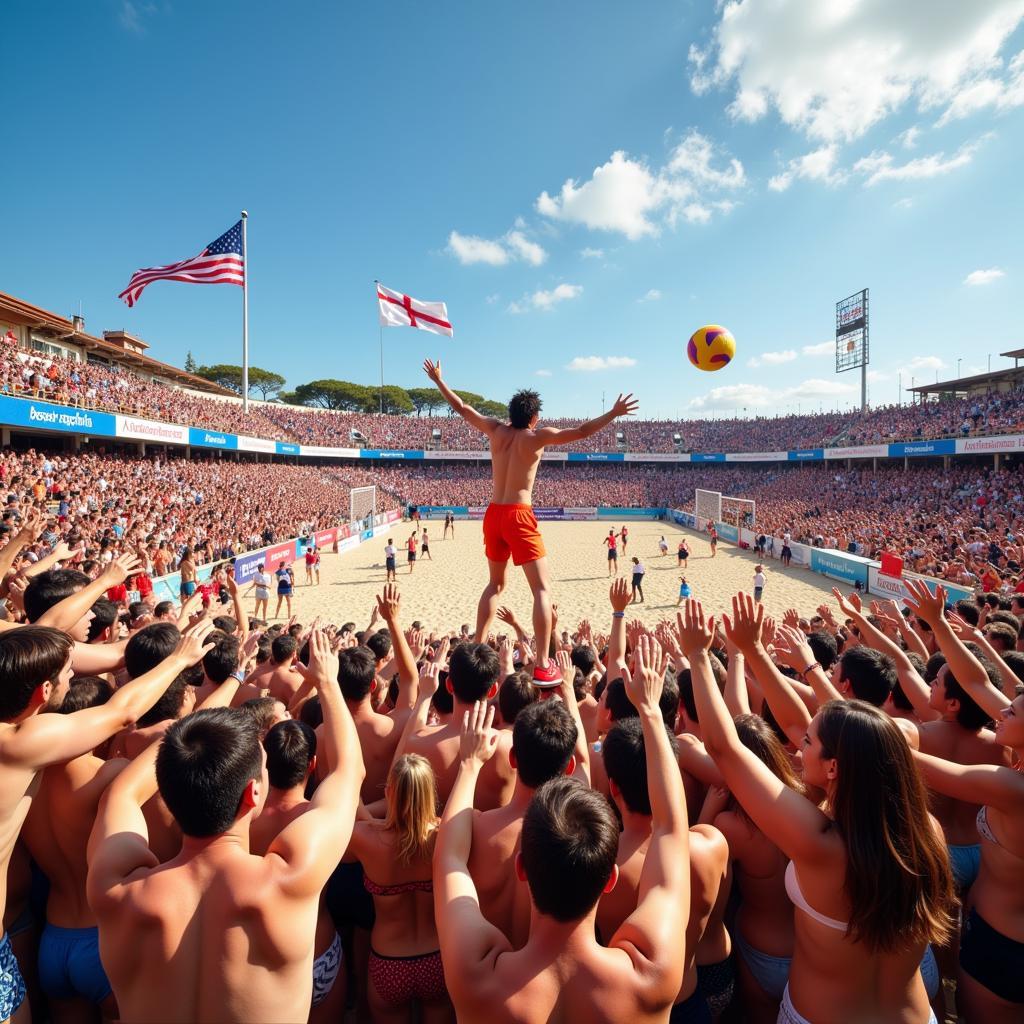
245	318
381	327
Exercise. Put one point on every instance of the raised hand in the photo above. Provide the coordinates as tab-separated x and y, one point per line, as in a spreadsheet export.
625	405
743	628
432	370
323	662
768	631
192	646
417	641
121	568
507	616
619	594
791	618
478	741
430	679
923	603
964	630
389	604
846	605
645	684
695	635
792	649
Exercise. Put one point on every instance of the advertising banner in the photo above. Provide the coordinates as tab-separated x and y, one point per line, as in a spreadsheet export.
256	444
597	456
543	513
707	457
148	430
806	454
478	455
728	533
552	456
683	518
895	588
390	453
18	412
211	439
756	456
981	445
945	446
278	555
838	565
325	538
859	451
579	514
393	515
284	448
657	456
245	566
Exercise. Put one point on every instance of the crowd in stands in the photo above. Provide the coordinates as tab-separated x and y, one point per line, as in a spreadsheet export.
157	508
102	386
721	818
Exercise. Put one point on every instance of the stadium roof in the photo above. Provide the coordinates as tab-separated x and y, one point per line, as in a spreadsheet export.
117	346
978	382
1017	353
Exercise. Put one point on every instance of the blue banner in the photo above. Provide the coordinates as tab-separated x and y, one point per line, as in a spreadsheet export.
597	457
623	512
708	457
21	412
840	566
283	448
211	439
946	446
391	453
806	454
683	518
727	532
245	566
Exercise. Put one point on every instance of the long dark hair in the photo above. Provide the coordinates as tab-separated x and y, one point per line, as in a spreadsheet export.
898	879
760	738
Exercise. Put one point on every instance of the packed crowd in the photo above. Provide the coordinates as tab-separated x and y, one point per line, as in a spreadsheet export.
103	386
106	505
714	819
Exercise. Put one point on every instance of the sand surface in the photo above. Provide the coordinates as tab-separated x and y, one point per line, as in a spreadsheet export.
443	592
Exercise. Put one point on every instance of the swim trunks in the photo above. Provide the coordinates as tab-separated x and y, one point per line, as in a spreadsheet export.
400	979
325	970
512	530
69	964
12	985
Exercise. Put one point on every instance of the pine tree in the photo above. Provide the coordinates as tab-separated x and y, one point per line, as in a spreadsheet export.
190	363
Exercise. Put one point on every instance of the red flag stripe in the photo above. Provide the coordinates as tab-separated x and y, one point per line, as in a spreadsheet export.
406	303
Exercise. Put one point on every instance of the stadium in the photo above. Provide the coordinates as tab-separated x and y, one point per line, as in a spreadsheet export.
674	673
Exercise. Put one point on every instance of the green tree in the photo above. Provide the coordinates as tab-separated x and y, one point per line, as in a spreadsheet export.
470	398
335	394
425	399
224	374
190	363
266	383
396	400
288	397
495	409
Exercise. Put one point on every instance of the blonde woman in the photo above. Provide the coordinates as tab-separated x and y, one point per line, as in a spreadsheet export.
396	854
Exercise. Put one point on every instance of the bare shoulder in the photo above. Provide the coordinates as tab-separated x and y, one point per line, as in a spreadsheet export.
709	841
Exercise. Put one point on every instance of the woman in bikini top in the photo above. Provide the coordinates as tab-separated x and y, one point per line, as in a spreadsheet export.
870	876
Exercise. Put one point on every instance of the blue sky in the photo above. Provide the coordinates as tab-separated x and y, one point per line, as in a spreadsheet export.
583	183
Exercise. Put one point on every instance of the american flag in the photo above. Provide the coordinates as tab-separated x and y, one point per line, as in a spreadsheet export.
221	262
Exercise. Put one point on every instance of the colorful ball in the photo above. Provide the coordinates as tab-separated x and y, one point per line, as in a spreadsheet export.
711	348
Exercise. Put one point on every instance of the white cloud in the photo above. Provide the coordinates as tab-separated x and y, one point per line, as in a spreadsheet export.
529	252
903	204
879	166
908	139
492	299
833	70
819	165
773	358
629	196
653	295
496	252
976	277
589	364
469	249
545	300
759	396
591	254
823	348
925	363
542	373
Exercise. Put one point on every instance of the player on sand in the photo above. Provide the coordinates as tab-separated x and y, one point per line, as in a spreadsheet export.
509	525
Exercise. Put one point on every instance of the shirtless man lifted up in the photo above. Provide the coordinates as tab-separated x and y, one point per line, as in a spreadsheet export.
509	525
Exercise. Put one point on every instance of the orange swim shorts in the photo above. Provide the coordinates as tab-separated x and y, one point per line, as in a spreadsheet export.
512	530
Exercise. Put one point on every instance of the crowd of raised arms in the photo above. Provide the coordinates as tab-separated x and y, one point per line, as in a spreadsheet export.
722	817
101	386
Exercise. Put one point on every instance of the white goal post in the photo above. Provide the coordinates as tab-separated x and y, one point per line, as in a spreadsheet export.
723	508
362	505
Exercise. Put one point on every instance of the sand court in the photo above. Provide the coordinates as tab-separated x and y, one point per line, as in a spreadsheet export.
443	592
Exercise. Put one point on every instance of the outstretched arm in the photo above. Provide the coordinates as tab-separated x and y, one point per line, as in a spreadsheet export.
625	405
485	424
66	613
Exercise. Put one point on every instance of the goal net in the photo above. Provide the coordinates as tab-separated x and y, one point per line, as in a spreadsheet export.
362	506
723	508
707	505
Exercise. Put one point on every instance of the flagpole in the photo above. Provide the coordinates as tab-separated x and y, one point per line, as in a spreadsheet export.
245	318
381	326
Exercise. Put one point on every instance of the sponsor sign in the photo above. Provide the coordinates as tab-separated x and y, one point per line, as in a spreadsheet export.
806	454
554	457
477	455
579	514
683	518
325	538
657	457
859	451
20	412
547	513
256	444
148	430
728	533
284	448
707	457
1008	443
945	446
245	565
596	456
211	439
393	516
838	565
390	453
278	555
440	511
322	452
896	588
756	456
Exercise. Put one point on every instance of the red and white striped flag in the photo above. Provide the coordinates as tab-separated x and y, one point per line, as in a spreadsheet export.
398	310
221	262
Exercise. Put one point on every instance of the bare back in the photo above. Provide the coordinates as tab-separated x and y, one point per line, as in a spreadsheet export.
515	456
18	785
504	899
